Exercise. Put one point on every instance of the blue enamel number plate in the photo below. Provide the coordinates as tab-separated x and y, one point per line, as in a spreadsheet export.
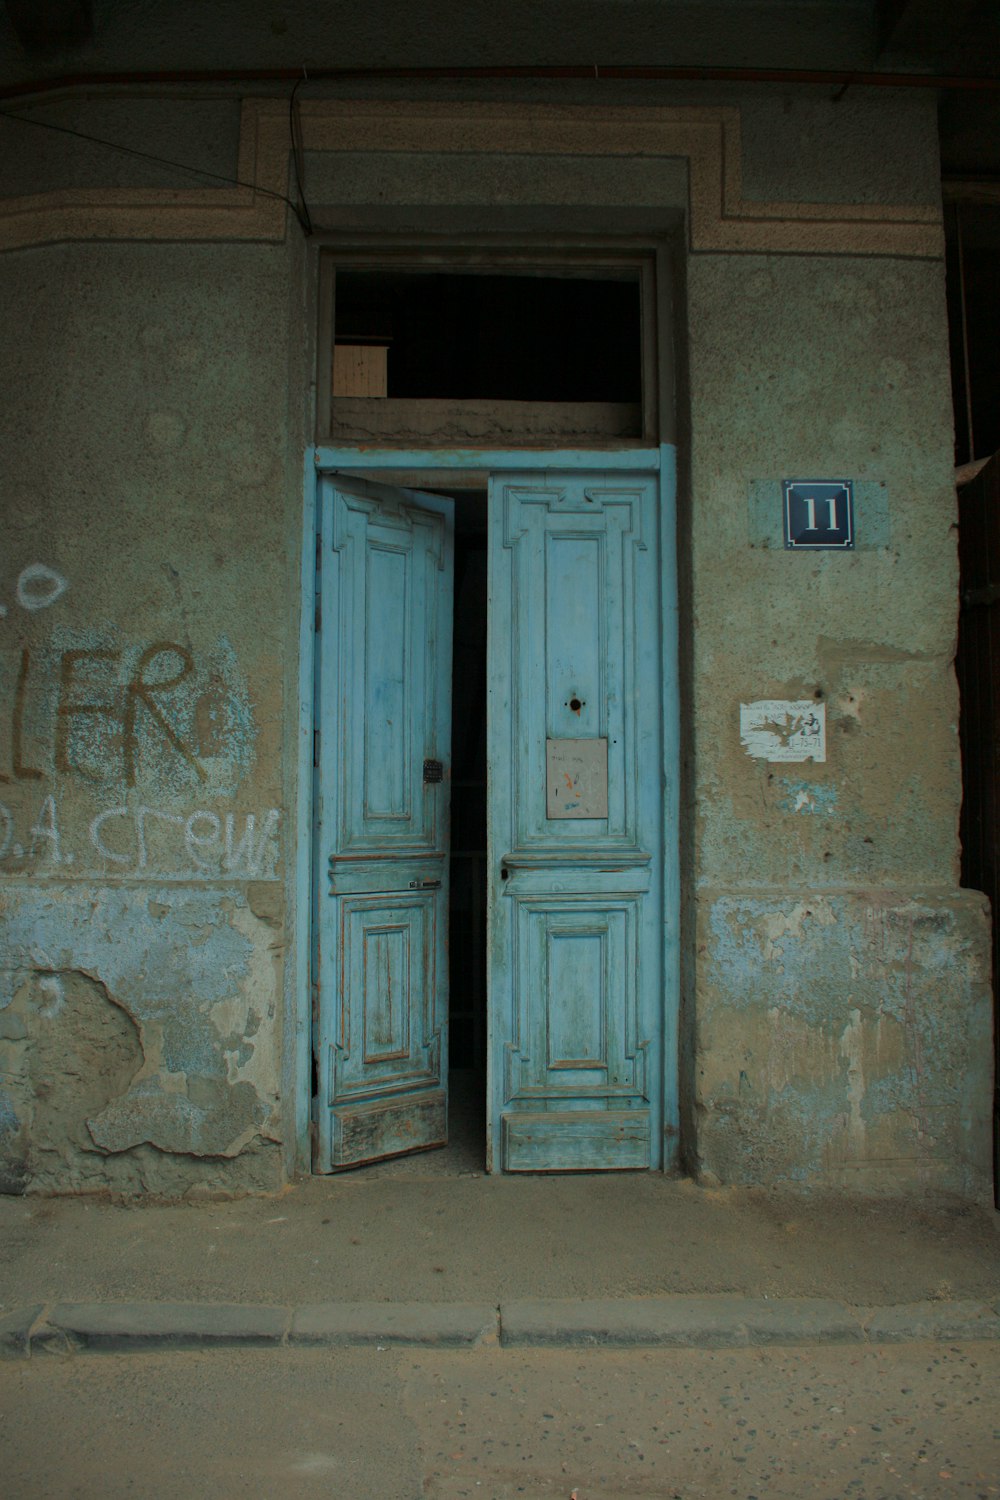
819	514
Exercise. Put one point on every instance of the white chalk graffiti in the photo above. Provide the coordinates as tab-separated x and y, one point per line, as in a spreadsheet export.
38	586
46	827
210	852
151	842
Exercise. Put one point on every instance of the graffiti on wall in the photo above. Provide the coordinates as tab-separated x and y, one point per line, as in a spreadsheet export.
38	586
97	711
139	738
139	840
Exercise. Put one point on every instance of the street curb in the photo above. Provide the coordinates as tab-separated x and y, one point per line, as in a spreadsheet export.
15	1330
156	1325
414	1323
932	1320
708	1322
726	1322
711	1322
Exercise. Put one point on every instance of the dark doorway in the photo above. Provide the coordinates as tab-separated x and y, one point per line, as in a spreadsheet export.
973	245
467	911
978	667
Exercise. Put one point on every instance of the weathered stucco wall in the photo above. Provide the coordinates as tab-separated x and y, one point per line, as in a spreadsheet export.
842	1040
144	651
836	1009
840	1005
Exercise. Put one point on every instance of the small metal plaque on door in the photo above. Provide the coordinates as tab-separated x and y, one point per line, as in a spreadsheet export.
433	771
576	778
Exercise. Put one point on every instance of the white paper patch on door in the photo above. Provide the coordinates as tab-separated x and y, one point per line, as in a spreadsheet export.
775	729
577	778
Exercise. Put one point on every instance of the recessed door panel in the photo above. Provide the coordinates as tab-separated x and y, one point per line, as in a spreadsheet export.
387	712
389	1040
385	578
573	563
577	1029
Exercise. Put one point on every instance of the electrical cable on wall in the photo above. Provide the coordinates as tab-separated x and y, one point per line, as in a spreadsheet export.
298	156
302	214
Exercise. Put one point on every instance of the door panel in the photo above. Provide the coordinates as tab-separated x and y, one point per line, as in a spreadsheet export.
384	681
575	823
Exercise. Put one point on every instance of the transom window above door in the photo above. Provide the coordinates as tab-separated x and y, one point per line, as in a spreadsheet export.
493	350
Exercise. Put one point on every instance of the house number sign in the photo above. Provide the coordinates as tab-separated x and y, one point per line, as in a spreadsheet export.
819	515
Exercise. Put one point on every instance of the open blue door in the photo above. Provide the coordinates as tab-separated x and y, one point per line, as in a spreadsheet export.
575	823
383	689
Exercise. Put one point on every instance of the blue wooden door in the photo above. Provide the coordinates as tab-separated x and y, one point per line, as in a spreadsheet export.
575	823
383	688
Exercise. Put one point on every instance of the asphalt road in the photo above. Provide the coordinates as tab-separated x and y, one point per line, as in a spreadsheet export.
838	1422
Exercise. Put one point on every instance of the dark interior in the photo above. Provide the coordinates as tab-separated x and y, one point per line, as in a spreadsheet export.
499	338
973	247
467	908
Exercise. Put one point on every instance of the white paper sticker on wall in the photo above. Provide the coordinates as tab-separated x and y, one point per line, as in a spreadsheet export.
775	729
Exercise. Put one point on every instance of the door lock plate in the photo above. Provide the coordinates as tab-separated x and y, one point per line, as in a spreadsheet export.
433	772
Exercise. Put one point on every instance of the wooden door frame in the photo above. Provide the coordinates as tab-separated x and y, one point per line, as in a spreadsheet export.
444	468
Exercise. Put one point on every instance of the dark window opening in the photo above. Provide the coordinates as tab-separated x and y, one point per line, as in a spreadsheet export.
462	336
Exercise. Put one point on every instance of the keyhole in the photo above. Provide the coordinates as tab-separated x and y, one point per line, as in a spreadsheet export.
575	704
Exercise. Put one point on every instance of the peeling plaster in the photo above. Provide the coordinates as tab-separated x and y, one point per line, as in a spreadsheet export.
808	797
845	1041
852	1051
195	988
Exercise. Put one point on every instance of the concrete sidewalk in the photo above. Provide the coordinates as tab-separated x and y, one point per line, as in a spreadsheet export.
403	1255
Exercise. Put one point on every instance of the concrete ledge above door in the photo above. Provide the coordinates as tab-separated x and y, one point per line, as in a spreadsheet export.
706	138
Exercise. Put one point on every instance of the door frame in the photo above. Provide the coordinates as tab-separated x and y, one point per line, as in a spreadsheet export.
424	468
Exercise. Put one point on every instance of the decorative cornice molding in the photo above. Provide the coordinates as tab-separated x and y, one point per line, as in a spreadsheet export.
721	219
